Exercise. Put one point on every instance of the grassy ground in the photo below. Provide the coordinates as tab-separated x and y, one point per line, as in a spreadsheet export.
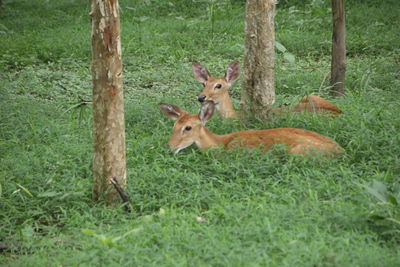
267	209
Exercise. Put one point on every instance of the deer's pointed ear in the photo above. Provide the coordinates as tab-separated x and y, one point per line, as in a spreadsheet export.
171	111
206	111
200	72
232	72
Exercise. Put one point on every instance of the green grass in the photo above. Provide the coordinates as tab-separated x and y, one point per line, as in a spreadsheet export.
268	209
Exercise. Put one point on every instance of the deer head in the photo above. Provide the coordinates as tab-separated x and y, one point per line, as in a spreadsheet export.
216	89
188	128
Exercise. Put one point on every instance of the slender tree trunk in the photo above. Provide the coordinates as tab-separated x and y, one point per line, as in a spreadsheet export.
108	100
258	79
338	64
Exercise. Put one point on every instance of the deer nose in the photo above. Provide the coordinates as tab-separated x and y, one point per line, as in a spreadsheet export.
166	146
201	98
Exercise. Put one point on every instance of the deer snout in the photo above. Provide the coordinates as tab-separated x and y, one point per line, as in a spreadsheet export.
201	98
171	149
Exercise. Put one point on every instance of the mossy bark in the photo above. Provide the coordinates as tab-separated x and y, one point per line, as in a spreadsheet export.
258	79
338	64
108	100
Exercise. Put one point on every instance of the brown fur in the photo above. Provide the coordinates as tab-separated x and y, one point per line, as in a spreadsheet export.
299	141
311	103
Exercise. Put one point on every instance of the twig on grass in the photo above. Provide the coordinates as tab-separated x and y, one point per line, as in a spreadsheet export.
82	102
124	196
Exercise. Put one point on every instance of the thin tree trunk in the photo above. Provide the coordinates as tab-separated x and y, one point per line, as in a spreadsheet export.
108	102
338	64
258	79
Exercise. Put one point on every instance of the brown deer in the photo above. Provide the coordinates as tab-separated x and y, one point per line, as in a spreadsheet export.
190	128
216	90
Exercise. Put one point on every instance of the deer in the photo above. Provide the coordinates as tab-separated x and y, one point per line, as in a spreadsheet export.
216	89
190	128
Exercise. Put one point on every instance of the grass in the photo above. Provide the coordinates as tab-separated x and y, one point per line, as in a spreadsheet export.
198	208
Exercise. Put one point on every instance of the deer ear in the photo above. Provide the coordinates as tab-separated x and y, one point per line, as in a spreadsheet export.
200	73
233	72
171	111
206	111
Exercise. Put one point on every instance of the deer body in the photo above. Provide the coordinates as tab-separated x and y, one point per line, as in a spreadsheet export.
216	90
189	129
311	103
298	141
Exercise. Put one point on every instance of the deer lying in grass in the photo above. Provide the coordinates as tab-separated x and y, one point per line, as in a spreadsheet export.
190	128
216	90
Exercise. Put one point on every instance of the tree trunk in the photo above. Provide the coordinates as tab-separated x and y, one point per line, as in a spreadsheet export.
108	100
258	79
338	64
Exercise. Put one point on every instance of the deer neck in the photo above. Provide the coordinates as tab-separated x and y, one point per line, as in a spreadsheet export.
209	139
225	108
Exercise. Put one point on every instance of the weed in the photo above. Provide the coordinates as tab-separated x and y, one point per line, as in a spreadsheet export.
385	214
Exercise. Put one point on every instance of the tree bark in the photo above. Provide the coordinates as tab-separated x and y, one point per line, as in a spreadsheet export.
108	100
338	64
258	79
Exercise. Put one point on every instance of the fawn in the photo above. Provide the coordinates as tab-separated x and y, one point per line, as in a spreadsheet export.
216	90
190	128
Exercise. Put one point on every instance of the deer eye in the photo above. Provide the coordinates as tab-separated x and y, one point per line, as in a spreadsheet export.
188	128
218	86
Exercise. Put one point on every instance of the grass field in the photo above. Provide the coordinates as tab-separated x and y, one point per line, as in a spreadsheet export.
197	208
